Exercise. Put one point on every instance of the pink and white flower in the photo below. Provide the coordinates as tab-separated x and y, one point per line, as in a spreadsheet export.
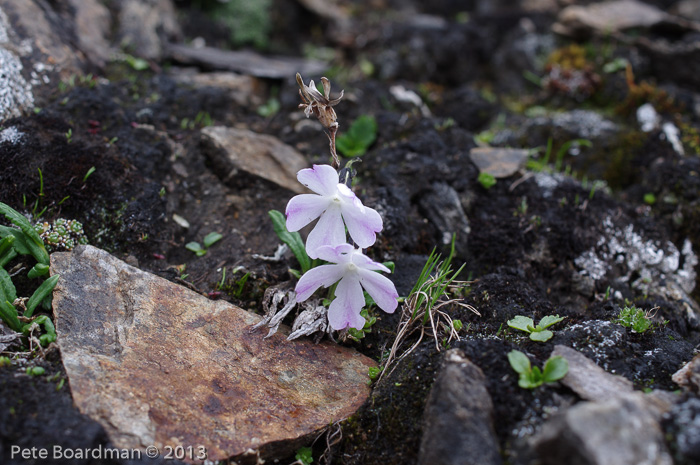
353	271
336	206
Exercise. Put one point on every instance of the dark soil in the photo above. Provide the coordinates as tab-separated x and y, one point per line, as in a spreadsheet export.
525	233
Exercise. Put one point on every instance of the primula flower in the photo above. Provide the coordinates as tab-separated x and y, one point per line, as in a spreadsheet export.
353	271
337	206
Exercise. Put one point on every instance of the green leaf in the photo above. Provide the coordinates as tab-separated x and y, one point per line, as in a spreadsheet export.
9	255
530	379
20	242
293	240
39	270
8	313
193	246
522	323
541	335
211	239
390	265
359	137
549	320
555	369
40	294
34	242
35	371
305	455
7	287
6	244
487	180
49	329
519	361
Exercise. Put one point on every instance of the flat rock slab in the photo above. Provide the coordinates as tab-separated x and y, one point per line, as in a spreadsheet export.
498	162
233	150
158	364
590	381
245	62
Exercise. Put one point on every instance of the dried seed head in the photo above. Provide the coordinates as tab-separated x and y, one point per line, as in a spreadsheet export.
318	104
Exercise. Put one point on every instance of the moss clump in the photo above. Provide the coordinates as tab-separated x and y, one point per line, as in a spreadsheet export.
645	92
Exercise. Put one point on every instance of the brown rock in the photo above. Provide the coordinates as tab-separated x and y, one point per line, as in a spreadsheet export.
689	376
234	150
158	364
498	162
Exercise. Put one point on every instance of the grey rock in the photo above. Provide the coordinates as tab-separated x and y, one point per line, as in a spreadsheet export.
158	364
245	62
590	381
614	432
232	151
689	9
585	124
684	424
678	61
459	417
145	26
523	49
612	16
244	90
442	207
92	28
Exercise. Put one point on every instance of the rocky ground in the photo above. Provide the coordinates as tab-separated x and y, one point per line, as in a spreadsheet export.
156	123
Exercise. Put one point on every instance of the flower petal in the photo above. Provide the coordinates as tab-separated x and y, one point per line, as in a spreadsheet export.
322	179
339	254
345	309
324	275
303	209
363	223
328	231
380	288
367	263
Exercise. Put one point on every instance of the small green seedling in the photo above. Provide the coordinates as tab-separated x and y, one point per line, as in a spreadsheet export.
269	108
209	240
373	372
538	333
360	136
5	361
635	318
649	198
531	377
35	371
486	180
304	455
358	334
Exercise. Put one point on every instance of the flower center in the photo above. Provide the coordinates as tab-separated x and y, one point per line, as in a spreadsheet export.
351	267
336	199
